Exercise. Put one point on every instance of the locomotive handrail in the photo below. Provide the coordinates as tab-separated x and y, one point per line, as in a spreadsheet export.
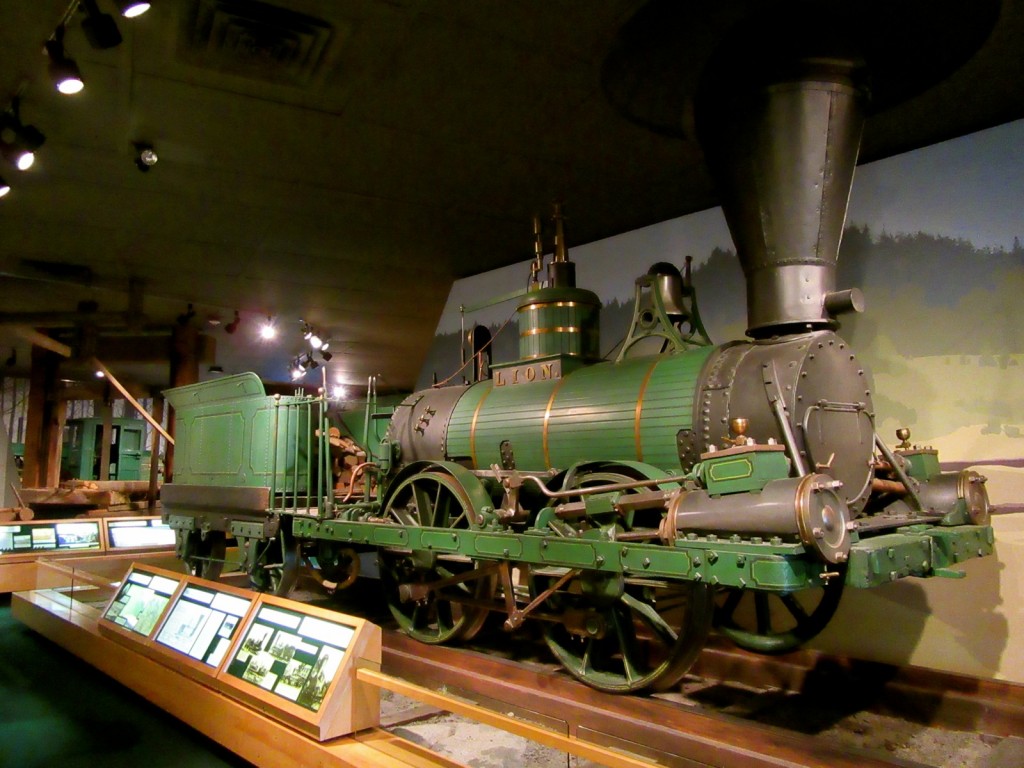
900	473
605	488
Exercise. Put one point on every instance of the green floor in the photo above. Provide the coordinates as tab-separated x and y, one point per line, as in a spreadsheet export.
57	711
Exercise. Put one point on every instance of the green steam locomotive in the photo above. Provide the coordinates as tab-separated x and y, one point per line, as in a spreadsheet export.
626	504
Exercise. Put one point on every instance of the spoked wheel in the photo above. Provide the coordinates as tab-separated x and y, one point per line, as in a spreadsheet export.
767	622
433	615
204	555
647	637
276	568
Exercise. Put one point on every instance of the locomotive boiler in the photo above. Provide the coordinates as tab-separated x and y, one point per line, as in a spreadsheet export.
626	504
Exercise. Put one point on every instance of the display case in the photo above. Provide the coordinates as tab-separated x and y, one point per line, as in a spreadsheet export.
290	661
49	536
140	602
135	533
298	662
202	625
23	545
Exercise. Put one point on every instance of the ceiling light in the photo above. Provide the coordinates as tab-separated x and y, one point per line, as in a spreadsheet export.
20	158
63	70
100	28
297	372
268	330
132	8
18	141
315	341
326	355
307	331
100	375
338	392
146	156
4	187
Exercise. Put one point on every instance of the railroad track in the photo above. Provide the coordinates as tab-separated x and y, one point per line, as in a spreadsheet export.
678	731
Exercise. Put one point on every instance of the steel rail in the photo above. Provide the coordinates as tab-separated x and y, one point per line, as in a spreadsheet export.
651	728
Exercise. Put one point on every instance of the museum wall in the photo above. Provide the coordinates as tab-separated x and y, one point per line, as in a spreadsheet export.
934	240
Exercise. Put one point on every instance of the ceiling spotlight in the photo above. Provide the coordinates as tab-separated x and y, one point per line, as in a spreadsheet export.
233	325
146	156
100	28
338	392
131	8
268	330
297	371
63	70
307	331
20	158
100	375
4	187
18	142
326	355
324	346
315	341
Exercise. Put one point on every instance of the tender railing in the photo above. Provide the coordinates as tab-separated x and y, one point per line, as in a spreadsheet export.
300	436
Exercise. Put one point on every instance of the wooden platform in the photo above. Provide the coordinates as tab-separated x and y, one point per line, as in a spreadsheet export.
256	738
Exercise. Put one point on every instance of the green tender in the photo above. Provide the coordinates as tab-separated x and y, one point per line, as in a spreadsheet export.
230	429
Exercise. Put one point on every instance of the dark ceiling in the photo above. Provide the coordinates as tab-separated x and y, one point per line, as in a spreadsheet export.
342	161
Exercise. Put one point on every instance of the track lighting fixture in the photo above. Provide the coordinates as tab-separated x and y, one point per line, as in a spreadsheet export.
63	70
18	142
302	364
4	187
131	8
233	325
100	28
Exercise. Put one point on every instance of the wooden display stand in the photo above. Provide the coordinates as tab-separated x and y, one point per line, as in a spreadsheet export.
290	661
23	544
317	652
255	724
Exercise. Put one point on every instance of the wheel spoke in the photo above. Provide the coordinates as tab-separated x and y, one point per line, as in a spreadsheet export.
424	509
732	602
627	643
763	613
795	609
652	619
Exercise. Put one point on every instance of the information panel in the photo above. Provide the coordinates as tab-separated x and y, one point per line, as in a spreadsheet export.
140	601
137	534
203	623
49	536
292	655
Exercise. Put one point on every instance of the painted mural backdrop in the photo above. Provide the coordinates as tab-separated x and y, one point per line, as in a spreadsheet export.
933	238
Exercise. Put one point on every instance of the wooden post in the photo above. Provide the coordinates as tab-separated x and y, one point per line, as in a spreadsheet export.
184	370
154	452
105	410
42	433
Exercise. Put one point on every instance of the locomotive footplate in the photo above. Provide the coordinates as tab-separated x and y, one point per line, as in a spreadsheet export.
769	565
732	562
917	551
